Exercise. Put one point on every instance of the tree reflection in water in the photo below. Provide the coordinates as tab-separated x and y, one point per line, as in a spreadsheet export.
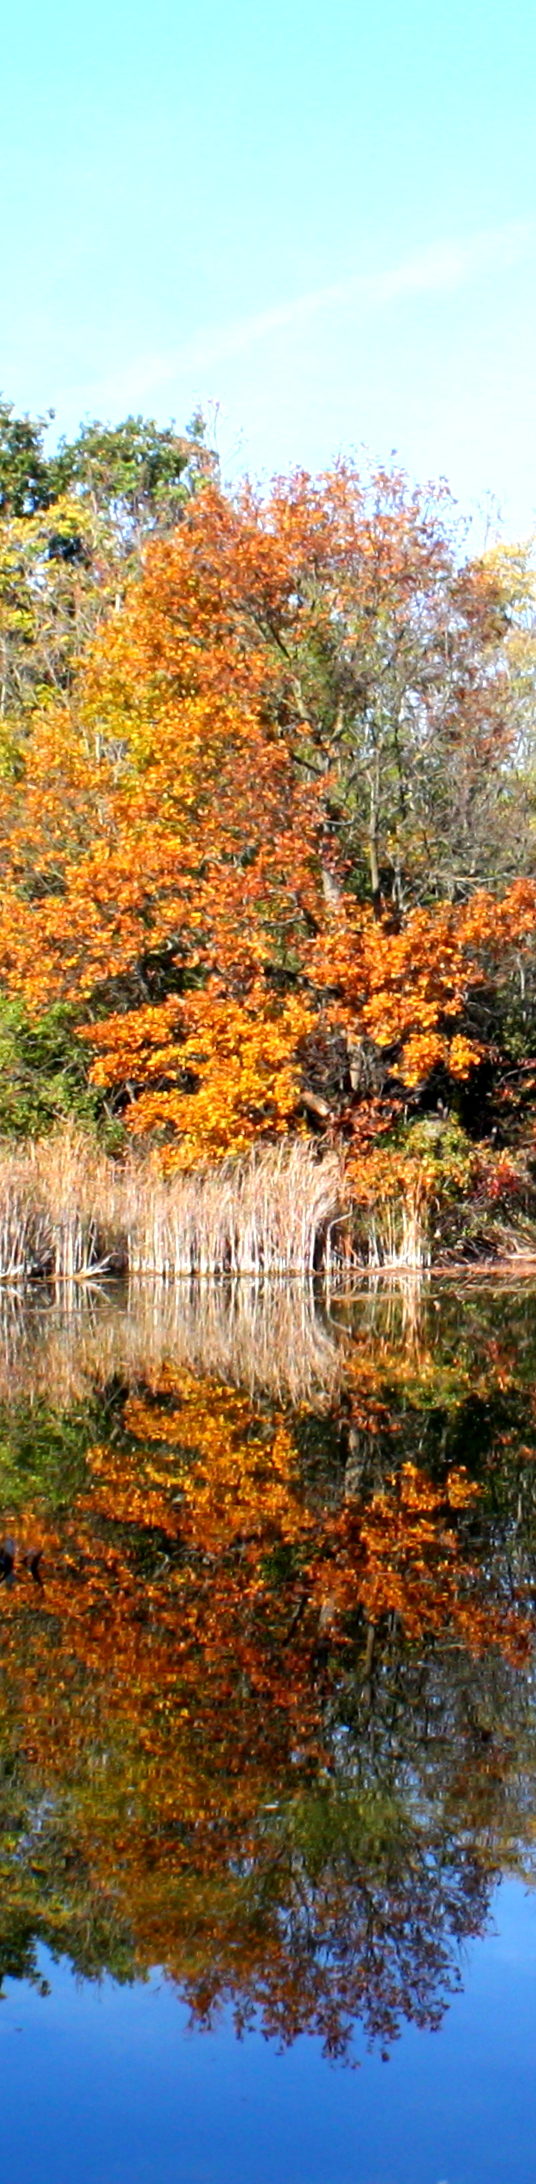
268	1719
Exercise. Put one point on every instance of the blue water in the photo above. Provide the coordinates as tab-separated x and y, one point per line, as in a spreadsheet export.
104	2085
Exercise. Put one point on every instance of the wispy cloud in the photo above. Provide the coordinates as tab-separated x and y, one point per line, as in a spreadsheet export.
437	271
440	270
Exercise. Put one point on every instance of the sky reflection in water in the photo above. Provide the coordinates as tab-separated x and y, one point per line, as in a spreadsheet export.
119	2088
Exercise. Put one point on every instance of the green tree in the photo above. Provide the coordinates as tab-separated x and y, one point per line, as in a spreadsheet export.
72	526
139	473
26	477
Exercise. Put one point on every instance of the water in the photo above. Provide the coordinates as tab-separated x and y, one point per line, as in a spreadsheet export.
119	2087
268	1737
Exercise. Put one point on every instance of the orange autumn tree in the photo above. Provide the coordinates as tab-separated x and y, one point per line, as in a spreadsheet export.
224	853
161	878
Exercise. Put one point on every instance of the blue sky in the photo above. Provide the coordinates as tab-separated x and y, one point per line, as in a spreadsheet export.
321	220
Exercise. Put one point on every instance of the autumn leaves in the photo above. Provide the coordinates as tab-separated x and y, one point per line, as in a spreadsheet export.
266	817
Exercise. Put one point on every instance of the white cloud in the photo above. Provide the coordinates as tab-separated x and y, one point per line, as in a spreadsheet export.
435	271
440	270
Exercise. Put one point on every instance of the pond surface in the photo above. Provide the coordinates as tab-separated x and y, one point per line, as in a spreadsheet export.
268	1736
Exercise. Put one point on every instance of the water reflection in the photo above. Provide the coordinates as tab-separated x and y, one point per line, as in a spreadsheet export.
266	1605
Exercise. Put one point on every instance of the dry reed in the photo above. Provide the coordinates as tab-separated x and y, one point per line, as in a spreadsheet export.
395	1235
59	1210
268	1215
67	1211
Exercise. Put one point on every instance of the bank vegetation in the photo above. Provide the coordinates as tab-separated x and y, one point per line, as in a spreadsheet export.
268	869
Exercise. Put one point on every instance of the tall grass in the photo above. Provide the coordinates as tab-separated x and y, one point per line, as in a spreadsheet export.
67	1211
397	1234
60	1211
265	1216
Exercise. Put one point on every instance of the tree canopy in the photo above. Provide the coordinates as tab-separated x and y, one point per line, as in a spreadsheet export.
266	826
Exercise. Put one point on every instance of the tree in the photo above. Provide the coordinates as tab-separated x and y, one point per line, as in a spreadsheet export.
140	473
380	656
25	478
184	853
72	526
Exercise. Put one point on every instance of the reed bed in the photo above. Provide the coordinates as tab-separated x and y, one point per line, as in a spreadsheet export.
67	1212
267	1216
397	1236
60	1214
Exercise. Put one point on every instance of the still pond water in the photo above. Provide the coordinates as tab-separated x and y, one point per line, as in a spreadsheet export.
268	1736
